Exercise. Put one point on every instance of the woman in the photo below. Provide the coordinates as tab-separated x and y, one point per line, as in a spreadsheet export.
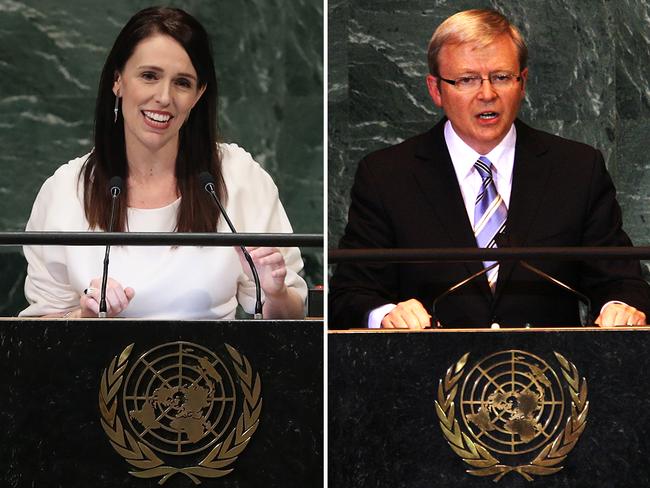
156	128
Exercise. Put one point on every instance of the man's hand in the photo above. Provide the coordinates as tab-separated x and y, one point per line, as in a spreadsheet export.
620	314
410	314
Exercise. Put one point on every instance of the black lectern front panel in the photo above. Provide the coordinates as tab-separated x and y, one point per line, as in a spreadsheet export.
142	403
421	409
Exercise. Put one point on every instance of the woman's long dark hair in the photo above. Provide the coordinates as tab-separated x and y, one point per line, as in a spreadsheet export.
197	148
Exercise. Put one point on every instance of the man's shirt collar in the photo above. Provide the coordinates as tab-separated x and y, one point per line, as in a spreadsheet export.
463	157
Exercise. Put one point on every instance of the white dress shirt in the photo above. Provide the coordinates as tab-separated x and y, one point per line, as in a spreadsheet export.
183	282
463	158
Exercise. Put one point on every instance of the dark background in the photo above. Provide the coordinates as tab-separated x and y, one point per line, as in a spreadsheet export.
384	431
50	374
589	80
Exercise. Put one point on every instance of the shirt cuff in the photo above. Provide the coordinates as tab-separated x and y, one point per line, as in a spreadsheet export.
609	303
377	315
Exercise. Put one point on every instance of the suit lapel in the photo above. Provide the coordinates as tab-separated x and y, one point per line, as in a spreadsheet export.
435	176
530	180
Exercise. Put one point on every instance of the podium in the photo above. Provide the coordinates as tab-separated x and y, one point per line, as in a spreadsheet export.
232	404
385	429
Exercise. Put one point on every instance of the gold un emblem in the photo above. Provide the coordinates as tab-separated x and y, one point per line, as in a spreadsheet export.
512	408
180	409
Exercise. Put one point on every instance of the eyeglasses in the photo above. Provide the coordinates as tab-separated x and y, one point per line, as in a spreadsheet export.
497	80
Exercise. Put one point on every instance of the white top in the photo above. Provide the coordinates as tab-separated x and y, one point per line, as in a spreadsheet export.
181	283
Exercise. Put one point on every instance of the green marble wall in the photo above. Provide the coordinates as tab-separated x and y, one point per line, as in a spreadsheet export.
268	55
589	81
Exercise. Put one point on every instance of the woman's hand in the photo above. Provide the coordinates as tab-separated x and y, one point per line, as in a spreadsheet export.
117	298
281	301
270	266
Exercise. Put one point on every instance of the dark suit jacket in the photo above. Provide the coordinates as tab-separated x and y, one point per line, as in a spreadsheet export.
407	196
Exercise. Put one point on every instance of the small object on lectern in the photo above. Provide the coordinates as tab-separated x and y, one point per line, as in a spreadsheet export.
315	302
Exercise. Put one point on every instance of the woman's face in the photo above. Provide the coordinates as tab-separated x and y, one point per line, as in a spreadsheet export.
158	87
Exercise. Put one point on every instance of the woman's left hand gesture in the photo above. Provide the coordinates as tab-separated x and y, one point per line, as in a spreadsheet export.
281	301
271	268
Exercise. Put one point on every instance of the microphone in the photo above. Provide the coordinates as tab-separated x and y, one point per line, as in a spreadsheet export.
114	190
455	287
505	240
207	182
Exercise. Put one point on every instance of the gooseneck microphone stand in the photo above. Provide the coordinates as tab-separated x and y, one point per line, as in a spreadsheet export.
114	188
207	182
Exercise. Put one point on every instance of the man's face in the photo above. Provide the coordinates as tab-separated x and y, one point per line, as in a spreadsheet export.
481	117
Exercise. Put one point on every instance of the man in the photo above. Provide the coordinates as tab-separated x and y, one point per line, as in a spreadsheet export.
478	175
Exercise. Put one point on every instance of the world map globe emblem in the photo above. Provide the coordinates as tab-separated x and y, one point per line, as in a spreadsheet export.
512	402
179	398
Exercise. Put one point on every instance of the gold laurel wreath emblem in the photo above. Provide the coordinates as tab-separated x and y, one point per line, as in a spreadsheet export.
142	457
546	462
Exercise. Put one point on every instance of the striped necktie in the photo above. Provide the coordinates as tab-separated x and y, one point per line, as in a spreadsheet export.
490	214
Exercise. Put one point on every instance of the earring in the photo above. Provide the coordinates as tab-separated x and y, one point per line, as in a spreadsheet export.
117	107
